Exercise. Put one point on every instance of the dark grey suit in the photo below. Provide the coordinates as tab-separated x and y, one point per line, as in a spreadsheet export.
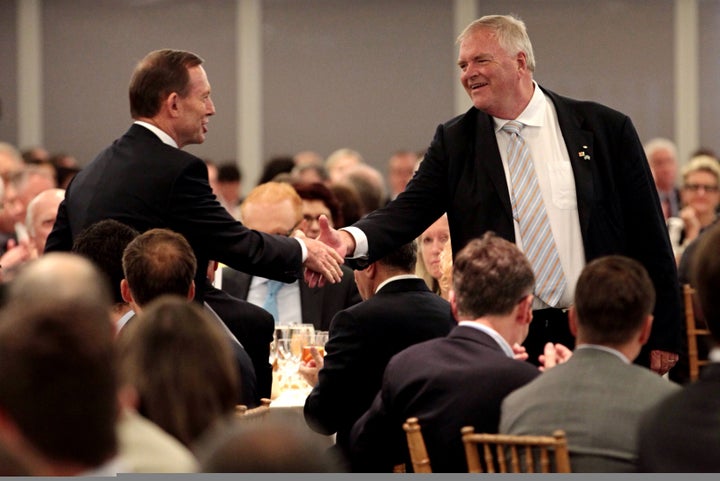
318	305
451	382
144	183
598	400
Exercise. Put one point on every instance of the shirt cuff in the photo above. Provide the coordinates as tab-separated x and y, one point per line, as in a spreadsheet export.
303	247
361	242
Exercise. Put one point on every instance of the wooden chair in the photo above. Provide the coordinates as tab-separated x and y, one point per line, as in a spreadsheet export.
416	446
498	447
693	333
254	414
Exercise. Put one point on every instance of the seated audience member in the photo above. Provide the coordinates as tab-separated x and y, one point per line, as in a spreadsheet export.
458	380
275	208
430	246
180	364
397	311
40	218
401	168
229	184
310	174
340	161
276	445
253	326
103	243
681	433
700	196
58	374
368	182
274	167
350	205
662	158
317	200
161	261
598	396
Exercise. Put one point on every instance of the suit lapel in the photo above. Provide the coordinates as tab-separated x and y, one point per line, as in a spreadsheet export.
487	156
311	301
579	144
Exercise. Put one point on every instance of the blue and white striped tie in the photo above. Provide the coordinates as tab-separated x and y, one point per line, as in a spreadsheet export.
529	211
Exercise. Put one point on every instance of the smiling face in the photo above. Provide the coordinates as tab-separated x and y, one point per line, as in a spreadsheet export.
194	110
498	83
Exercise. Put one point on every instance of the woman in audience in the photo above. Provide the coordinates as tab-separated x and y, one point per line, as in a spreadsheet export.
317	200
700	196
181	366
430	245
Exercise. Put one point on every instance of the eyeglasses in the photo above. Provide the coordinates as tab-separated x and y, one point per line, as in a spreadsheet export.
292	229
312	218
710	189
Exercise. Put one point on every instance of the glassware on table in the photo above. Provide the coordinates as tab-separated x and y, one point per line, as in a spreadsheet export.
318	342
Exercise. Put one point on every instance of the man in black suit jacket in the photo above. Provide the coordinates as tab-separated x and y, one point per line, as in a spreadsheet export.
145	181
458	380
276	208
594	178
681	434
399	310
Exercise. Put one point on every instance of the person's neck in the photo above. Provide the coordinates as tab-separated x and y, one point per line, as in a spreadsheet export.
519	102
503	325
163	125
630	350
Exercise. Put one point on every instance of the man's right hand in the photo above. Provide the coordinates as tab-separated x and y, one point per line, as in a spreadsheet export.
339	241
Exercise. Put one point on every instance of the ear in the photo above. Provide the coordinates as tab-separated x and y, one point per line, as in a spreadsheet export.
172	105
521	59
645	329
524	310
125	291
453	304
128	397
572	320
191	291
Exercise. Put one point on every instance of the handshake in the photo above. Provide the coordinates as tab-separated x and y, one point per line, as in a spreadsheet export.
325	254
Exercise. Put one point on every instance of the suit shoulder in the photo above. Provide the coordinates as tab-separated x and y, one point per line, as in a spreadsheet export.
587	108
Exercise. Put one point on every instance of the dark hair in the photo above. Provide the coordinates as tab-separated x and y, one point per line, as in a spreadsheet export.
58	379
403	258
705	275
276	166
613	296
490	276
318	191
158	75
350	205
158	262
104	243
229	173
181	364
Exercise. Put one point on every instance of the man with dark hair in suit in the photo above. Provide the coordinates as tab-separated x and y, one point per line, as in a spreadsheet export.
597	397
160	262
398	310
592	192
458	380
145	180
681	434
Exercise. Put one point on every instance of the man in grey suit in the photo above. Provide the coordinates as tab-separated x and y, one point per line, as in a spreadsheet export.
597	396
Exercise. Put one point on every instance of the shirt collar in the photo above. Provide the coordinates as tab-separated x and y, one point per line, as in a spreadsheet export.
504	345
394	278
534	113
162	135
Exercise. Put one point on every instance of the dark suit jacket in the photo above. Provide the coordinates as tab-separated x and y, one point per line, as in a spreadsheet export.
253	326
318	305
145	183
451	382
362	340
618	205
682	433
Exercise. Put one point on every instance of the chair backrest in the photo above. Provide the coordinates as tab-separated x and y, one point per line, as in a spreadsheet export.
693	333
535	455
416	446
253	414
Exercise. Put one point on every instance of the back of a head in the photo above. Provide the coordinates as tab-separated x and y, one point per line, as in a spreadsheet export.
350	204
370	185
229	173
103	243
158	262
274	167
402	259
660	143
490	276
58	380
273	193
182	366
705	275
156	76
276	445
613	296
59	277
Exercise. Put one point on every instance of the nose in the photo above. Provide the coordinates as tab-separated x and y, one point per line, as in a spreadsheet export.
211	107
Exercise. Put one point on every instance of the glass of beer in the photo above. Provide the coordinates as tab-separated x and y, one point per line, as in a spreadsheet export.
317	341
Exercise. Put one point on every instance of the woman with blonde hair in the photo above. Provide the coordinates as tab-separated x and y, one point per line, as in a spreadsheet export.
431	244
700	196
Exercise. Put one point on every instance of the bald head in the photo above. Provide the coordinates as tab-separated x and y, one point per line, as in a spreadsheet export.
41	214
